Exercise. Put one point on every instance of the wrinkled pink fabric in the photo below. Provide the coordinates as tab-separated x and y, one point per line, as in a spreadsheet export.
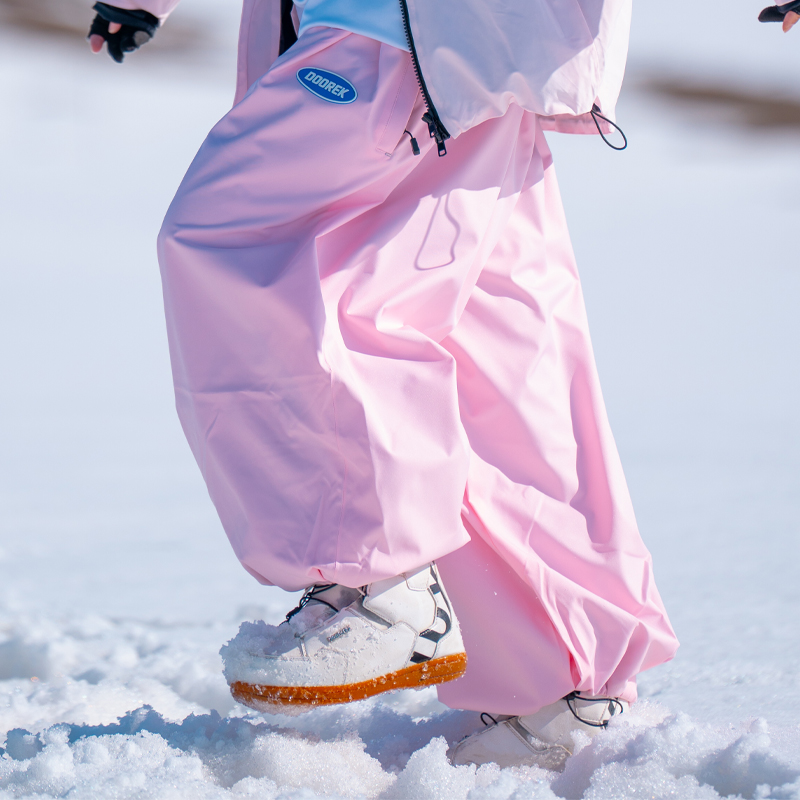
551	57
381	360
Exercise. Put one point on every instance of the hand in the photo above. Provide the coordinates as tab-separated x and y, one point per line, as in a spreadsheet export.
790	20
123	30
96	42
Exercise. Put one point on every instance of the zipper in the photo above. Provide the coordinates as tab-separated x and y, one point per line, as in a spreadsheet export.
431	117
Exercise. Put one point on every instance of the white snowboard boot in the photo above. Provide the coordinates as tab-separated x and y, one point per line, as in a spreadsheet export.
543	739
343	644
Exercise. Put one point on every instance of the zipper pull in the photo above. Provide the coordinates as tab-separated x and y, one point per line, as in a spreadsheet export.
436	131
414	145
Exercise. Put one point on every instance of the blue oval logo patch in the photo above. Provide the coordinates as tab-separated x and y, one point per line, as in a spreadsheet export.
327	85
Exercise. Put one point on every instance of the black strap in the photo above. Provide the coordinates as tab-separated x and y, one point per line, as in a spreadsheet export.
288	33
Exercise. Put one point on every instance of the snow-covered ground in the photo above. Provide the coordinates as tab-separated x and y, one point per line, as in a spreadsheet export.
117	586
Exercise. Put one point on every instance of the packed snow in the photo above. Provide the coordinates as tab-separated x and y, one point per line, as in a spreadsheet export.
117	586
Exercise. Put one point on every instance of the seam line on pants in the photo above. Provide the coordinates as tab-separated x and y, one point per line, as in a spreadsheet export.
394	106
344	477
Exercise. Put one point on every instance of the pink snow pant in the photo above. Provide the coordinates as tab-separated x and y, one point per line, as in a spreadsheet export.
382	359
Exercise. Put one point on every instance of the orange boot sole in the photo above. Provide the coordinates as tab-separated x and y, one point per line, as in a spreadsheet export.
295	699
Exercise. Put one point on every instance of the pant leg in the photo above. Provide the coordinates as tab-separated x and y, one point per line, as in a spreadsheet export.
546	495
311	266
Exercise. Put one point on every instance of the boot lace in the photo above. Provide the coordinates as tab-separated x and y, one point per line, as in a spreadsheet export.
614	706
312	594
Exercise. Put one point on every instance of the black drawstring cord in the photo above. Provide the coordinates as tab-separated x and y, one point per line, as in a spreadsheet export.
573	696
595	112
487	714
414	145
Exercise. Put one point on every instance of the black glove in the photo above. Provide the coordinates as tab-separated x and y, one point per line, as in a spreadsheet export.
777	13
138	28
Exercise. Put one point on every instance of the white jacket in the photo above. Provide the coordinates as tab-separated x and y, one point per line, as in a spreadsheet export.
556	58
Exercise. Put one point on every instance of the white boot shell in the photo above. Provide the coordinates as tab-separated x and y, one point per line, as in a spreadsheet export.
398	633
543	739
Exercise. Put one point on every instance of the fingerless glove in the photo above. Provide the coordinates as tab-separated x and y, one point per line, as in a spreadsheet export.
777	13
138	28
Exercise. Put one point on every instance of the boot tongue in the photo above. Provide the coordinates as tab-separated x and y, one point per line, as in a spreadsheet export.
338	596
318	608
